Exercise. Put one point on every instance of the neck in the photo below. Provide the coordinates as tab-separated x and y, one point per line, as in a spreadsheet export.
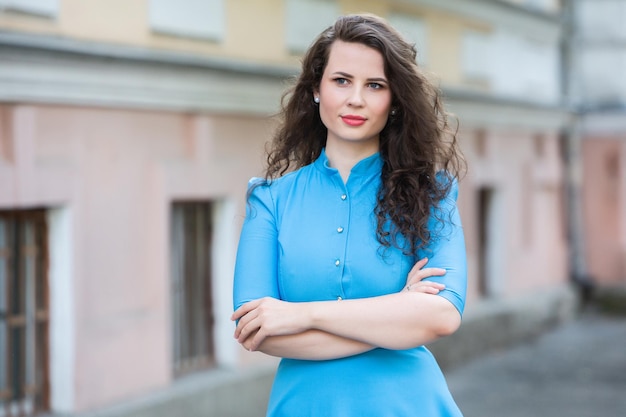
344	157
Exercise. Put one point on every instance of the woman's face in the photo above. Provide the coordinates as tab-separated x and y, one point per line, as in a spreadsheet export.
354	94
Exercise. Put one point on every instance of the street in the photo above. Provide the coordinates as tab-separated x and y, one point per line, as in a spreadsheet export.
576	370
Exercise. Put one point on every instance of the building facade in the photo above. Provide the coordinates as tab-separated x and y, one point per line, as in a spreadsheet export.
599	94
128	132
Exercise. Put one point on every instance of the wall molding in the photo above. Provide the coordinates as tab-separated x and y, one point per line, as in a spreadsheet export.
38	69
61	71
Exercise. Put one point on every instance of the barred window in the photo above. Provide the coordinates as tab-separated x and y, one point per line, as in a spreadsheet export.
24	313
192	307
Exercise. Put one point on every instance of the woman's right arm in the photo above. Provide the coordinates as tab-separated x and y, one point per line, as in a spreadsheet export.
311	345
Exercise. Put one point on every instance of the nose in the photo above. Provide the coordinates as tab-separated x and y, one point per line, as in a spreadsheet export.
356	97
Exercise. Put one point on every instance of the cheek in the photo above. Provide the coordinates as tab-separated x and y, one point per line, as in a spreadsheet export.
325	114
383	105
383	111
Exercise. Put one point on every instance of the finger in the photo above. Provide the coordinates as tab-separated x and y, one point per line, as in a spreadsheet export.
427	272
244	309
418	265
426	287
248	329
429	290
245	321
427	284
257	339
252	337
247	344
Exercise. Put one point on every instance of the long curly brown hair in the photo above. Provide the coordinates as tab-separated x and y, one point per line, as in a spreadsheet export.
416	144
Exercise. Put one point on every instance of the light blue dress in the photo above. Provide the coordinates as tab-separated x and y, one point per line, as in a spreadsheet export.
308	236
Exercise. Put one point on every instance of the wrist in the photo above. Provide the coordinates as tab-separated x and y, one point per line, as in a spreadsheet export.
314	312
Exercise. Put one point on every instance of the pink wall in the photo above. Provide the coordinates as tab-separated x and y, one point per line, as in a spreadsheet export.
117	172
604	188
526	247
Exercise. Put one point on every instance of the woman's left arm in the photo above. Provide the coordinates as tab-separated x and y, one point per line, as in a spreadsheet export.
395	321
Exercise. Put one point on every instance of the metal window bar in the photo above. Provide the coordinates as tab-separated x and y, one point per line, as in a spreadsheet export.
24	384
192	308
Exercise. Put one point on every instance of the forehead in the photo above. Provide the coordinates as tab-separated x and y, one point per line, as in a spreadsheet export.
355	59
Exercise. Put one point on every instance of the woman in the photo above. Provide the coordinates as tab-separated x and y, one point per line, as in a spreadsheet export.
331	269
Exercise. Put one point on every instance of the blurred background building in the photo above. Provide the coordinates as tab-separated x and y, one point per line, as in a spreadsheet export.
598	95
129	130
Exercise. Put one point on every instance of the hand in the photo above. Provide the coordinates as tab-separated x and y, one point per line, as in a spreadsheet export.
265	317
414	281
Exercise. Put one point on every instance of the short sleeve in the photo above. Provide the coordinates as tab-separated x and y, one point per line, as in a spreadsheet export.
447	249
256	264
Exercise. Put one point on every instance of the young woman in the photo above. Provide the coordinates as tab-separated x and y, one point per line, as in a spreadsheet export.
359	196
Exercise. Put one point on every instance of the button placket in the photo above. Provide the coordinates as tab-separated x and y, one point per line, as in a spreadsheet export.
343	219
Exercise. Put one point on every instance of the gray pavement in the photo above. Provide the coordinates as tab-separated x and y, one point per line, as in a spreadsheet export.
575	370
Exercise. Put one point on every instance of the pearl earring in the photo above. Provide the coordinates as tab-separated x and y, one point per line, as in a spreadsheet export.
393	112
316	100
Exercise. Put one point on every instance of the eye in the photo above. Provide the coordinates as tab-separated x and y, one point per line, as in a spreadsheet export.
341	81
375	86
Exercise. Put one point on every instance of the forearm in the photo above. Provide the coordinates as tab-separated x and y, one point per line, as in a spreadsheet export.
311	345
396	321
403	320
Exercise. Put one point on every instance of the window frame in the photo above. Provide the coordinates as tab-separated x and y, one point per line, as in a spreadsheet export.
26	356
192	306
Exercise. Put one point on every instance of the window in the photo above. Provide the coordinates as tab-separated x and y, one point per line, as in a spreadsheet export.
485	211
476	60
192	306
545	6
203	19
602	19
414	30
306	19
24	313
47	8
525	65
601	69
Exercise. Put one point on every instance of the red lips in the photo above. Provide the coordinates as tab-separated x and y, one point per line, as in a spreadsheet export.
353	120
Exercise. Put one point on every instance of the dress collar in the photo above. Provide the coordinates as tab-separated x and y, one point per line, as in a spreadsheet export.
371	165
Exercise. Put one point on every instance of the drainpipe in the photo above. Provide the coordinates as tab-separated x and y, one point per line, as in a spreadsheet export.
573	97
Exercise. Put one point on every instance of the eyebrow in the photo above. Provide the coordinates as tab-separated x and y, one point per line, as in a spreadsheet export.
375	79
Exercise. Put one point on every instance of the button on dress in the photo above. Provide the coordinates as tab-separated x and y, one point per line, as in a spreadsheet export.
308	236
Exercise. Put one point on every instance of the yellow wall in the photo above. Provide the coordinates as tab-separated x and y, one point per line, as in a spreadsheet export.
255	29
118	21
380	8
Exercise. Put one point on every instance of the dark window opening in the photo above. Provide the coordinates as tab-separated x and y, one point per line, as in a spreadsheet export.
24	313
192	306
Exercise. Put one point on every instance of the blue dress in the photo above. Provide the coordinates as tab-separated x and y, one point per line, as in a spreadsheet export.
309	237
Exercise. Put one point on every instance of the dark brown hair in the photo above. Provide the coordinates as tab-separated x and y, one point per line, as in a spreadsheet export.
415	145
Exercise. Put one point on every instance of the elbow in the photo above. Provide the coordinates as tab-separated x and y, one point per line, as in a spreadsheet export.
449	322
